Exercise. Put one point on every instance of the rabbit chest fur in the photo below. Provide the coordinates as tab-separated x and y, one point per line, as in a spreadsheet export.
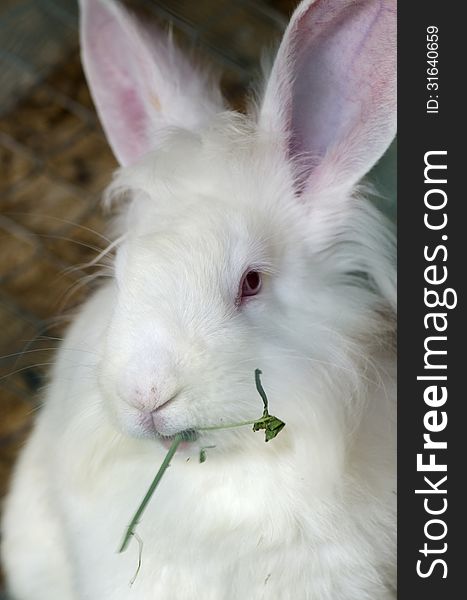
242	242
297	518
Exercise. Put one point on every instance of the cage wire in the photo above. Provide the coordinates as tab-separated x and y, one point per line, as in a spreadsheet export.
55	162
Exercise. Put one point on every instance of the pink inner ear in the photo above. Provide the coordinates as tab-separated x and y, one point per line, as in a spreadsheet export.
131	112
116	65
131	107
320	83
140	82
337	71
334	83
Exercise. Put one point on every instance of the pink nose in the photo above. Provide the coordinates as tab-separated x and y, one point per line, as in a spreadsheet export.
152	411
150	400
159	399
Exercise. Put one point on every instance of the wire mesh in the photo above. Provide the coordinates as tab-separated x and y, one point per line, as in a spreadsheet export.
54	163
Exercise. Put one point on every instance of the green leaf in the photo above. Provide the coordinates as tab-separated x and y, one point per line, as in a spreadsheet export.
272	425
202	453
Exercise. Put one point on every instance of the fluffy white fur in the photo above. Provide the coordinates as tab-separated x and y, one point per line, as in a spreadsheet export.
308	516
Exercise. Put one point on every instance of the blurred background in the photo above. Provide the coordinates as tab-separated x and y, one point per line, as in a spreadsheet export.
54	163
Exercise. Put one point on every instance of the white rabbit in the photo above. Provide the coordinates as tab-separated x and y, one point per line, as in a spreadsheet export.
245	243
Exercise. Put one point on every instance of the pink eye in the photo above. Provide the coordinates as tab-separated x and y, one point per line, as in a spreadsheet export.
250	285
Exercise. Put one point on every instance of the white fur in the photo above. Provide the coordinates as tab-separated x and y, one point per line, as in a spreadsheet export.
309	515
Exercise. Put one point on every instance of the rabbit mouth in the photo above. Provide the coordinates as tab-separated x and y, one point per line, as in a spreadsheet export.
187	435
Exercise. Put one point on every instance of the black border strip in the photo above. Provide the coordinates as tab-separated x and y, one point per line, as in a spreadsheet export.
421	132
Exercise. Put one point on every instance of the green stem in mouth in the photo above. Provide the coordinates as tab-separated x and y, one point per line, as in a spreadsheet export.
229	426
272	426
260	390
180	437
257	422
162	469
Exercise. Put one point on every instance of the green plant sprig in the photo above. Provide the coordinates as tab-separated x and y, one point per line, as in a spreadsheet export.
271	425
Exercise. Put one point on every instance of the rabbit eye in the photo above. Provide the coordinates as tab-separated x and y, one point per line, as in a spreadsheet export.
250	285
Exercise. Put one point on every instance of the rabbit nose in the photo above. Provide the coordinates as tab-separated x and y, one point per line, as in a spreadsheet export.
150	379
160	399
148	399
154	398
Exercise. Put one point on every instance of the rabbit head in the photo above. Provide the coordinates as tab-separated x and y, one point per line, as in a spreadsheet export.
246	242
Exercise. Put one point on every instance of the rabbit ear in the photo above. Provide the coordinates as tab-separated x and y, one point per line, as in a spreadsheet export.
141	84
332	90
